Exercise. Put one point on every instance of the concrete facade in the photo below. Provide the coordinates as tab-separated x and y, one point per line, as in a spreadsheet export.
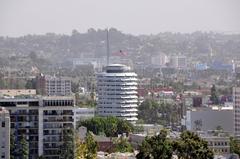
53	86
4	134
83	113
205	119
41	120
236	106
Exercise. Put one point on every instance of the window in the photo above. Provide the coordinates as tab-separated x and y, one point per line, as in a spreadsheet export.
3	124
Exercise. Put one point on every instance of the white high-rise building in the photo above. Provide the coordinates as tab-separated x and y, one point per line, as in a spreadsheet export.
117	92
4	133
236	102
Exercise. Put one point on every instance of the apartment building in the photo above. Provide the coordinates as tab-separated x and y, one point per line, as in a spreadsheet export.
117	93
53	85
4	134
41	120
236	105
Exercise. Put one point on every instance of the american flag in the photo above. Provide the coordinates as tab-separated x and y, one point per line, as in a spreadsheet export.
120	53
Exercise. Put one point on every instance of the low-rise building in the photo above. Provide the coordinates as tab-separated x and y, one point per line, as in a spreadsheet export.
205	119
218	144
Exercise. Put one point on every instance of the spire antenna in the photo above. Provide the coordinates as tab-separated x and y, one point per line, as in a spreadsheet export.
108	52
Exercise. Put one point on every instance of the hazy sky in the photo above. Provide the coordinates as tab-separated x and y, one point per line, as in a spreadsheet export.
20	17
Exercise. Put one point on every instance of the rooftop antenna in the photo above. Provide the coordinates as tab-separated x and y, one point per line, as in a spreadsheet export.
108	52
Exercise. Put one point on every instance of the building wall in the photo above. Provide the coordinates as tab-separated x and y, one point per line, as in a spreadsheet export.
17	92
41	120
53	86
83	114
210	119
58	86
4	134
117	93
236	105
219	145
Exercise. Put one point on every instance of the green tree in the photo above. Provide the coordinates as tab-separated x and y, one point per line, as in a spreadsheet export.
23	148
192	146
33	56
2	82
12	146
41	157
80	149
156	147
91	146
122	145
111	126
30	84
214	96
67	150
162	113
234	146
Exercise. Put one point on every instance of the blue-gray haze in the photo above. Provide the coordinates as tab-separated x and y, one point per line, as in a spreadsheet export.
20	17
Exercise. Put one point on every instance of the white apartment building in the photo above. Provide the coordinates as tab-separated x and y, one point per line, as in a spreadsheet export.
117	92
57	86
236	105
41	120
4	134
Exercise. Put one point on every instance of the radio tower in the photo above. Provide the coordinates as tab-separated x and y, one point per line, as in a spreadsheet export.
108	52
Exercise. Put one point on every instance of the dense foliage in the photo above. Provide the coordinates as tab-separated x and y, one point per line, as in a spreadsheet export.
214	95
110	126
122	145
91	147
234	146
67	150
189	146
152	112
156	147
23	150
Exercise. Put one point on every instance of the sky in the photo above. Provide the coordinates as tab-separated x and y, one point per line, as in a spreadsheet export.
22	17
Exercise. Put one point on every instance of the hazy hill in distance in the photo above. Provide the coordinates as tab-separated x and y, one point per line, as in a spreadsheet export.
92	44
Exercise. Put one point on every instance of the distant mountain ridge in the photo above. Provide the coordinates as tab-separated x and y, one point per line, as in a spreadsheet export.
93	44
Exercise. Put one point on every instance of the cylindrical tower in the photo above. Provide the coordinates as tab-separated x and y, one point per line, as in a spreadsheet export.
117	93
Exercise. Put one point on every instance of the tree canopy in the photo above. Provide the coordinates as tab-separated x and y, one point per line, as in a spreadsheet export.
234	146
162	113
189	146
110	126
122	145
156	147
214	95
